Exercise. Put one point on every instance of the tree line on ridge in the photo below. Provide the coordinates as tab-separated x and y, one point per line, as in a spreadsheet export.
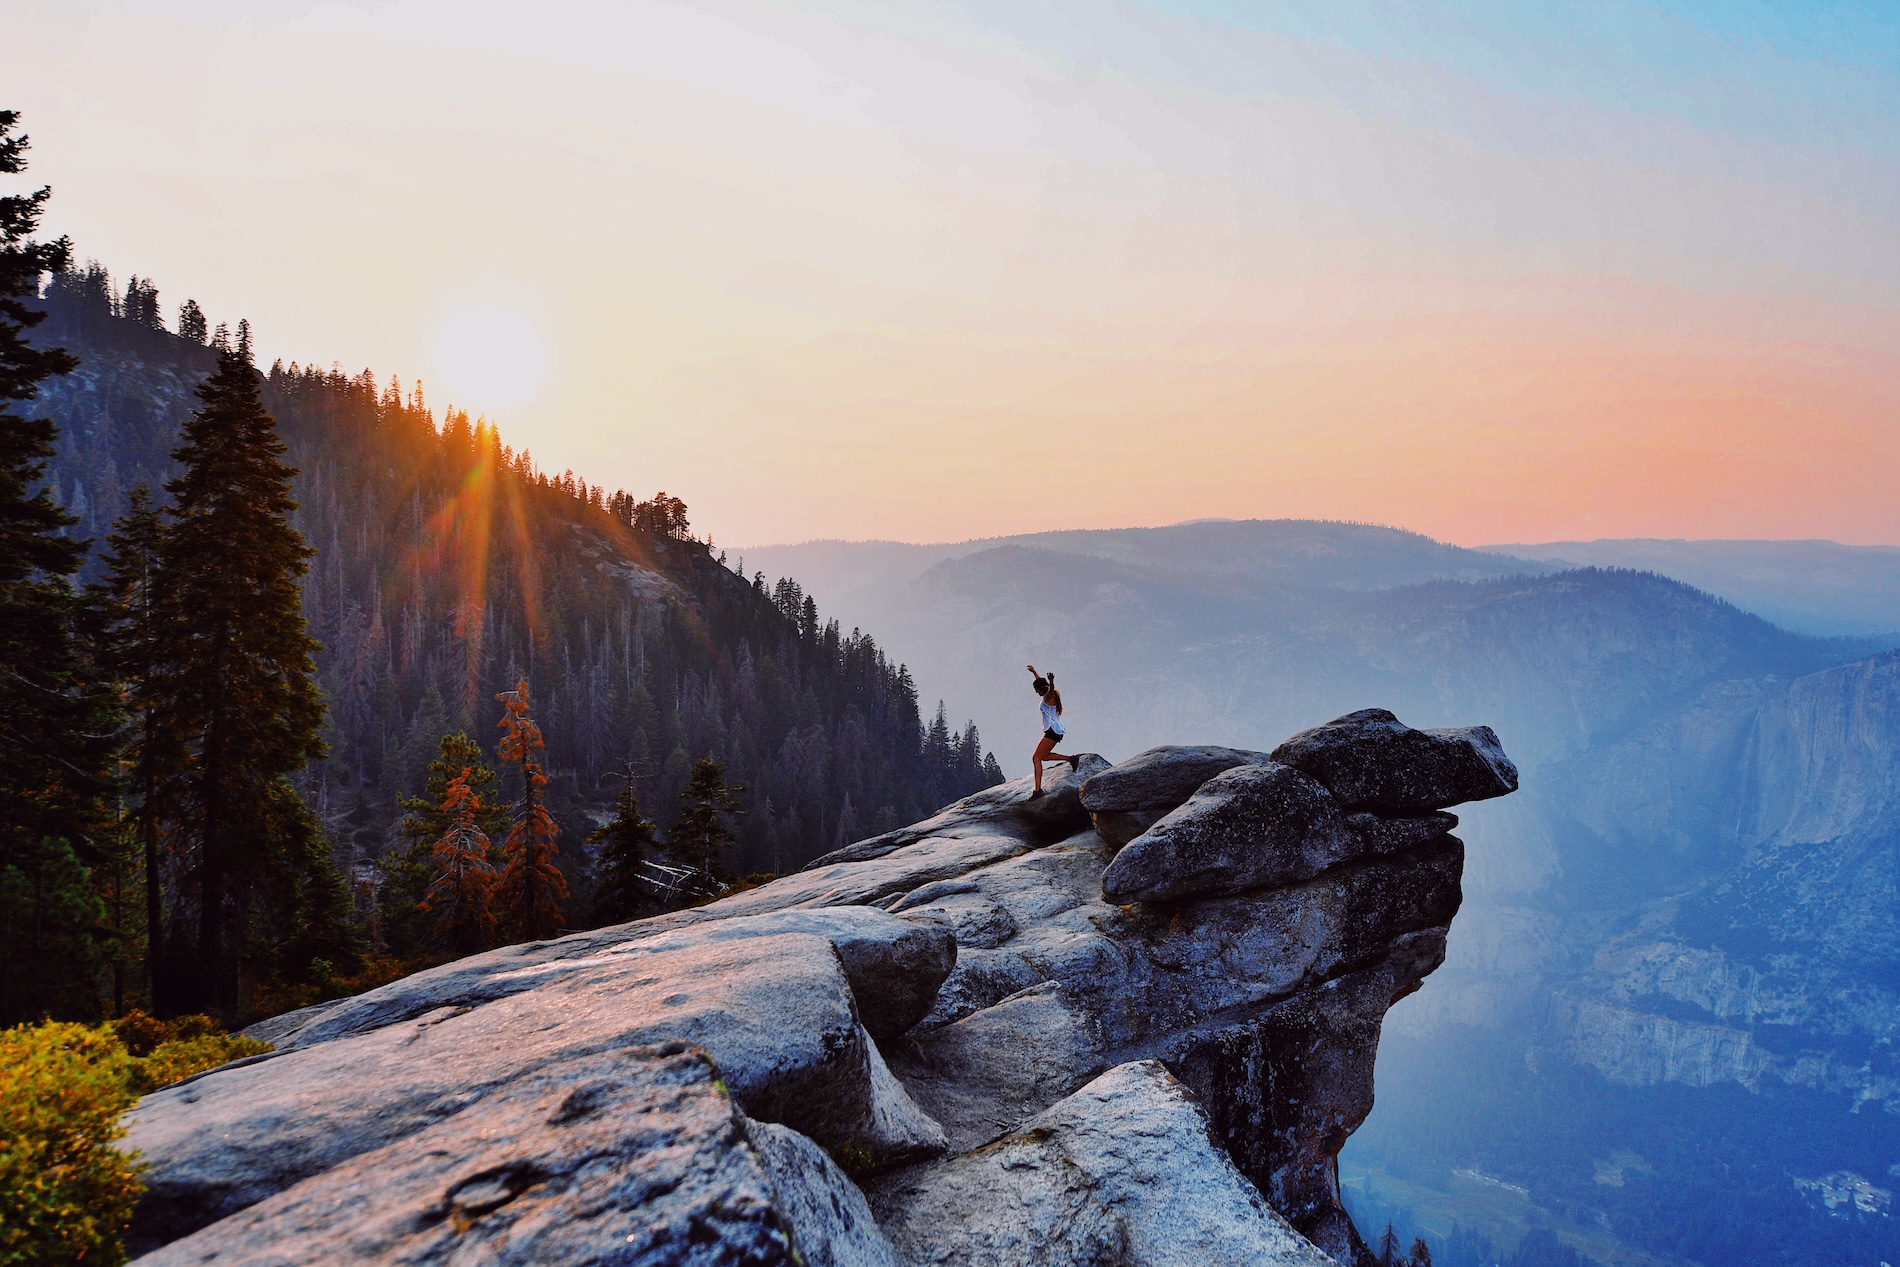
245	765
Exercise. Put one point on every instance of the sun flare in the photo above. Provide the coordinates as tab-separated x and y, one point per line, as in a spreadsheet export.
489	357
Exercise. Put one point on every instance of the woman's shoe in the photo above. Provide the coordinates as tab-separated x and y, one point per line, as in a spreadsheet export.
1033	795
1075	763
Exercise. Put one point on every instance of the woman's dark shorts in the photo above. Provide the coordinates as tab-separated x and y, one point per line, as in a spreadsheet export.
1053	736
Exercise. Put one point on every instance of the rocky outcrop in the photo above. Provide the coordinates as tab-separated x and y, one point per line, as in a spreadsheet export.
939	1045
640	1149
1371	760
1122	1171
1254	826
1127	800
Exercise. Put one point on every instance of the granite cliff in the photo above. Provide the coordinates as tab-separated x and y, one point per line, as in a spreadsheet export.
1130	1021
1783	965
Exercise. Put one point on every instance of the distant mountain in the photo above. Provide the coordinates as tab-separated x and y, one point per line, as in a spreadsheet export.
1677	946
447	568
1817	587
1272	551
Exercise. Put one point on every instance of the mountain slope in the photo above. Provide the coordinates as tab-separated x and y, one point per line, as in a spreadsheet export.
1817	587
447	569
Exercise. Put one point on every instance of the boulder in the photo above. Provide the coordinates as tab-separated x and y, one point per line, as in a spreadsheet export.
1006	809
1249	827
634	1156
893	966
1285	1088
1370	760
1083	985
1126	799
1122	1171
831	1222
774	1011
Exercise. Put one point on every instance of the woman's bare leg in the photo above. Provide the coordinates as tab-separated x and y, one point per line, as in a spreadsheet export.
1046	751
1044	748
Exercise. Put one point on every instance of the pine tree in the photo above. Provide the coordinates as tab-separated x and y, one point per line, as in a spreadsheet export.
56	724
462	895
191	322
402	926
532	886
307	893
457	755
700	836
1389	1253
625	841
129	600
235	678
1421	1253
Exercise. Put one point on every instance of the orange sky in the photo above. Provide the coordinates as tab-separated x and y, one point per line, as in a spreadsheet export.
915	272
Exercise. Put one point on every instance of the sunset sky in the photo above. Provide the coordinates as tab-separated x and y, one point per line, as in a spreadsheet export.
933	271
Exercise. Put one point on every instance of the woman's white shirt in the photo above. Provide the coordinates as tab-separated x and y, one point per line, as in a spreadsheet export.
1051	719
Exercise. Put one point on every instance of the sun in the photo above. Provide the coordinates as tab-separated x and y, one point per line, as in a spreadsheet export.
489	357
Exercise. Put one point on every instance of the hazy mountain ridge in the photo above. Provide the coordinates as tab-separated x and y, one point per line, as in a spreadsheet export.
1817	587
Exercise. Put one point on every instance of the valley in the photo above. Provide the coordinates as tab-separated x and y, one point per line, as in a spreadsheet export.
1691	903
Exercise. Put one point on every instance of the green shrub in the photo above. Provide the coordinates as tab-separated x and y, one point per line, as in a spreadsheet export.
181	1057
165	1051
65	1192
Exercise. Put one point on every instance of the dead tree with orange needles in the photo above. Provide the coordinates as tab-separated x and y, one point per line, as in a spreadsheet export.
462	896
532	886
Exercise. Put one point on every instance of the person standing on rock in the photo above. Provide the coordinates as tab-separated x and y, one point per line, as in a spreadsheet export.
1052	728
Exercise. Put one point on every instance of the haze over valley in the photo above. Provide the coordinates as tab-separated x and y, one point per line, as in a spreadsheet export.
1693	897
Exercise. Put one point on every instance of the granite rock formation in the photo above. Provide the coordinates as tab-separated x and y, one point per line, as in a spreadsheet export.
1009	1033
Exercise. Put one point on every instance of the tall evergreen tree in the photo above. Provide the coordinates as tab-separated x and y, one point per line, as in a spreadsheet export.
625	840
532	887
128	599
700	836
56	724
234	680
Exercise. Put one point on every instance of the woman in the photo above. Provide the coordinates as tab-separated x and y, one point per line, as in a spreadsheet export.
1052	730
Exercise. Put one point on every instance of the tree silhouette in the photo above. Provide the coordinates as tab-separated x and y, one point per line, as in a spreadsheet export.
191	322
233	678
625	840
56	727
700	836
129	598
532	887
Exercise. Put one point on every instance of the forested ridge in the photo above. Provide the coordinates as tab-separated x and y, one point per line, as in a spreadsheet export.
448	569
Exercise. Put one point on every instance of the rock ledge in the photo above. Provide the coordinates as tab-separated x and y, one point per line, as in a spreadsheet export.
1130	1022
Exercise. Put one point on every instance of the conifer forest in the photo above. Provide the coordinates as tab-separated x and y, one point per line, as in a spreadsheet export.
308	685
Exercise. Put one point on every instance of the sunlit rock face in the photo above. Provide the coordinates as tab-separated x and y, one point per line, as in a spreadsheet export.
1141	1010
